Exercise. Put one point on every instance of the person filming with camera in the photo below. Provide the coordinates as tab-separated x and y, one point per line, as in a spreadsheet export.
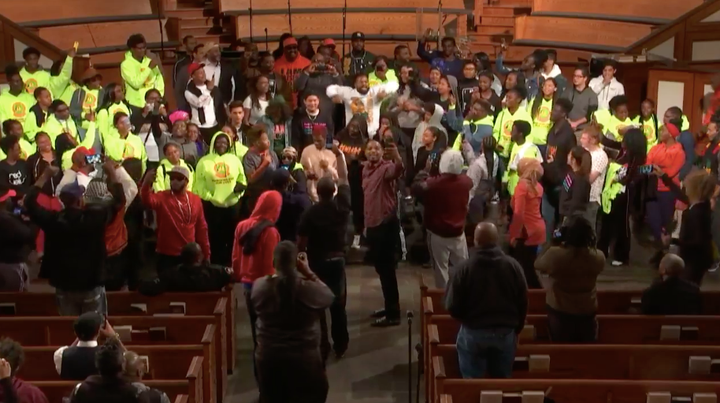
320	74
573	263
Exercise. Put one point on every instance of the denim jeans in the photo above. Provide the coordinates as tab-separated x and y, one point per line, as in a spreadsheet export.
75	303
490	351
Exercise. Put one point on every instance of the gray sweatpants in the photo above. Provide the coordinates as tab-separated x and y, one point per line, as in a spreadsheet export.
445	252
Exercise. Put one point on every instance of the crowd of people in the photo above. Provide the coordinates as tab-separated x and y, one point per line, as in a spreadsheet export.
272	166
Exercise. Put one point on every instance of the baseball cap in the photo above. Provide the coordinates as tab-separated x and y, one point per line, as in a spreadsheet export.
73	189
290	41
87	325
84	151
357	36
329	42
193	67
180	171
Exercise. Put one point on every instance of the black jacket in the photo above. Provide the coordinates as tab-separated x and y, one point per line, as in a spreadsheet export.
185	278
574	195
75	240
561	139
673	296
302	126
17	238
488	291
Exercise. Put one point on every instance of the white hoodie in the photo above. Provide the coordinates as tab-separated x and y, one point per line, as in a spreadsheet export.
435	120
606	92
370	101
553	73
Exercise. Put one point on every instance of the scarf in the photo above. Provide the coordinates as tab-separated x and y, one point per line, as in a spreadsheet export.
193	89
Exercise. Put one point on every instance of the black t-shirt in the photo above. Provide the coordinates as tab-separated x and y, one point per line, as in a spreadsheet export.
324	224
16	175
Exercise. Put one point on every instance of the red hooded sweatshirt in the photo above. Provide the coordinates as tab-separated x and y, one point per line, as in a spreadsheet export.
256	238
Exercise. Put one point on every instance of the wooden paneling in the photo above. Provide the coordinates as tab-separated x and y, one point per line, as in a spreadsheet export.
688	80
667	9
101	34
243	5
581	31
331	24
39	10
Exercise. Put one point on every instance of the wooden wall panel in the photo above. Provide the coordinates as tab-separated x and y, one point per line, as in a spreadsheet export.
577	30
667	9
39	10
331	23
243	5
102	34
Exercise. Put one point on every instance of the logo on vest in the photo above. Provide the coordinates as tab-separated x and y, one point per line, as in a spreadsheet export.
221	170
543	115
19	109
507	128
128	151
90	101
30	85
649	131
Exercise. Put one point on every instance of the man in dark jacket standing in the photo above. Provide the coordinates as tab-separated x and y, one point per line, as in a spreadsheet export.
16	241
488	295
561	139
75	251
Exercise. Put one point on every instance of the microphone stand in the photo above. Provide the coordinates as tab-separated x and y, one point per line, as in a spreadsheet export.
266	40
439	40
344	27
290	17
251	24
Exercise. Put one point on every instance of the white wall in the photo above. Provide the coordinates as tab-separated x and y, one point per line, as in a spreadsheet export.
665	49
706	50
670	93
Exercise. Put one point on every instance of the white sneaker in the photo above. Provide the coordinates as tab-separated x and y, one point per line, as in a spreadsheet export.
616	263
356	242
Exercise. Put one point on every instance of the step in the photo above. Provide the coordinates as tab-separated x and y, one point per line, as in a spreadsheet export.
190	12
490	38
196	22
202	31
491	11
500	21
216	38
190	3
511	3
495	29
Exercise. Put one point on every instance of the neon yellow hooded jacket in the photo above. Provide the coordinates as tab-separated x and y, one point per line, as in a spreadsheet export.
105	119
87	142
139	78
42	78
503	128
15	107
53	127
216	176
162	179
119	149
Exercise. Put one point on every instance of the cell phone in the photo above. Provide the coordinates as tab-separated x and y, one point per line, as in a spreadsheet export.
156	109
93	159
557	234
645	169
17	211
388	141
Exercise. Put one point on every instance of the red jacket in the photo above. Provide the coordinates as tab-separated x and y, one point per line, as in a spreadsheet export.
177	224
258	263
526	220
446	204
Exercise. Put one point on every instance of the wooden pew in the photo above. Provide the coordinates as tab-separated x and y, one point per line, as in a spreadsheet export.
567	390
123	303
613	302
612	329
165	362
147	330
190	386
600	361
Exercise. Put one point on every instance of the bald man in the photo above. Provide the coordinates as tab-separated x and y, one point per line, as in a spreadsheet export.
670	294
134	368
487	293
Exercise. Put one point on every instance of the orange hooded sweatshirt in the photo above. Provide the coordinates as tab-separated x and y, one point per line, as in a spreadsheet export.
256	238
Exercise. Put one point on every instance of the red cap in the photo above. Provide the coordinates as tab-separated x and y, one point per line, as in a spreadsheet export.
674	131
328	42
193	67
84	151
290	41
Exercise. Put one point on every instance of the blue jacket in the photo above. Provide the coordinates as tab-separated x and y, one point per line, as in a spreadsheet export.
434	57
688	142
